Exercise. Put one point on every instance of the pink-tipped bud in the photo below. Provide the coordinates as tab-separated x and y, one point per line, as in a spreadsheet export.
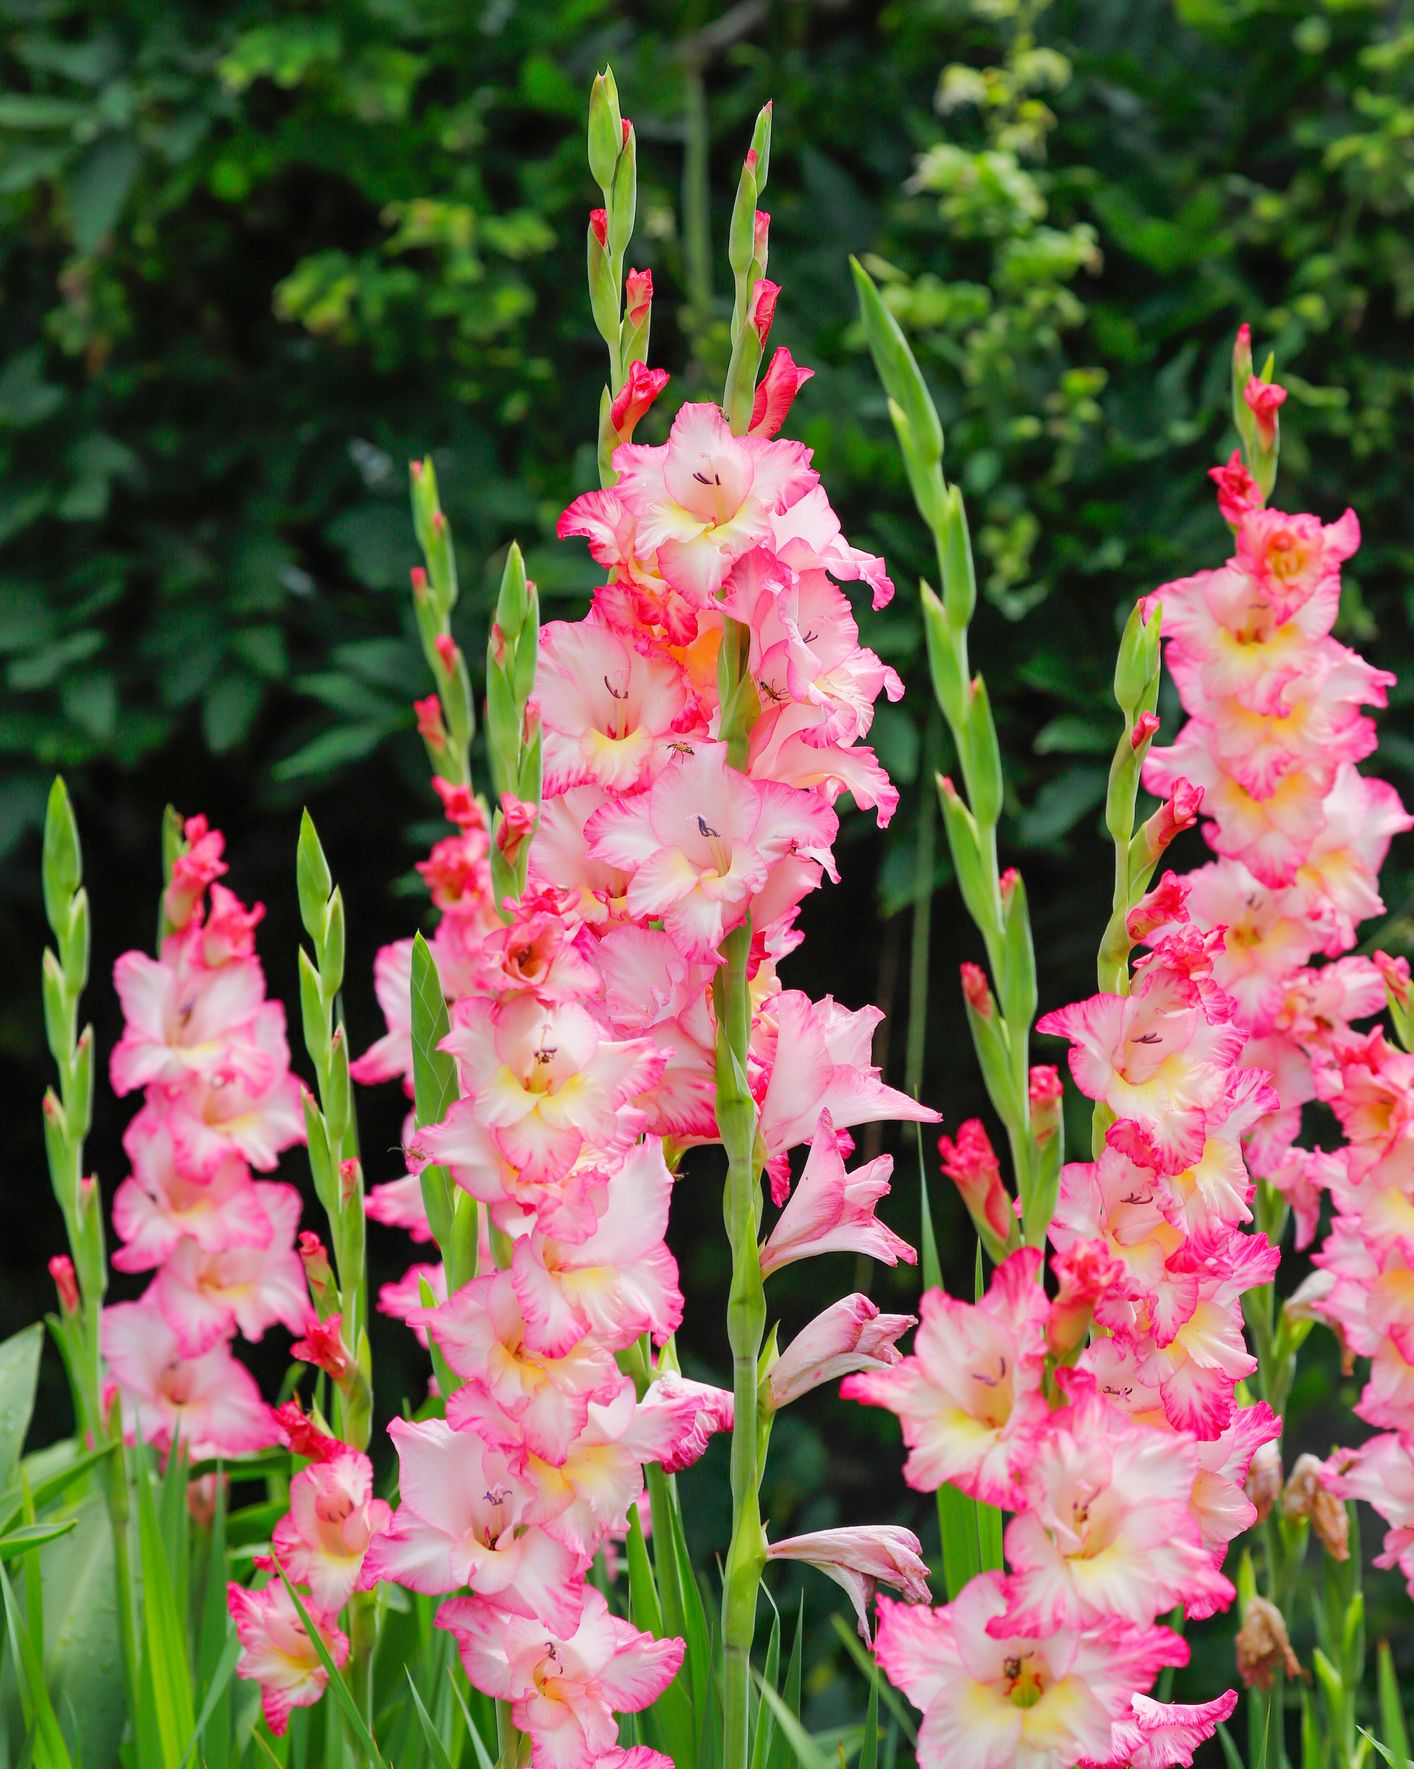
350	1179
439	522
599	226
1044	1090
761	309
1165	905
459	804
638	296
634	398
446	648
517	825
1084	1271
1395	972
1177	813
1238	492
1007	884
323	1346
1144	728
415	468
418	574
318	1272
1148	606
193	870
1264	400
970	1162
61	1269
751	159
1264	1478
530	727
761	238
429	722
627	128
776	393
303	1435
975	989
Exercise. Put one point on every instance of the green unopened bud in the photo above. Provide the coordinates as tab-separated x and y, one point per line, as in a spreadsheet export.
623	198
603	284
63	859
1137	666
982	756
959	572
964	843
761	145
898	370
313	879
945	658
423	477
606	129
741	233
512	599
1018	968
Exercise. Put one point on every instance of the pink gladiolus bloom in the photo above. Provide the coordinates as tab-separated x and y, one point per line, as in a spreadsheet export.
482	1334
186	1023
641	387
193	870
969	1393
1381	1472
1158	1735
1178	812
398	1204
302	1435
992	1703
544	1081
715	1410
832	1211
861	1559
164	1203
390	1055
277	1652
1104	1527
776	393
332	1518
1237	489
458	1523
608	709
700	843
323	1346
208	1296
565	1690
210	1402
848	1337
706	496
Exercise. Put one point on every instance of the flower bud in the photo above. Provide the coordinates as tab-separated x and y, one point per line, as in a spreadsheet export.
1307	1495
1084	1272
319	1274
1264	400
641	387
761	309
323	1346
1143	729
1178	812
1166	904
515	825
1238	492
971	1163
61	1269
761	240
430	727
1264	1477
975	989
779	386
1045	1093
350	1179
1138	658
638	297
446	648
1395	972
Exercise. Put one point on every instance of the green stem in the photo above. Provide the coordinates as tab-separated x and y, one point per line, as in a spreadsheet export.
925	860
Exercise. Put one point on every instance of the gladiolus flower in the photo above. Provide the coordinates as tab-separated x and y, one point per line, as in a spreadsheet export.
323	1346
970	1162
776	393
831	1210
322	1540
641	387
638	299
1264	399
761	308
66	1284
861	1559
1238	491
851	1335
277	1651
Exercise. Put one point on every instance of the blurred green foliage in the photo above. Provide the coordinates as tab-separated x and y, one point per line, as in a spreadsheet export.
255	259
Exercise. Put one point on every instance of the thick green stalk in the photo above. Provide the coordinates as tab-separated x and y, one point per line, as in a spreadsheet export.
919	947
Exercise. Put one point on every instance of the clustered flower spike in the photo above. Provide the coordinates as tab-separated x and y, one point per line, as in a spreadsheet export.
583	1028
209	1053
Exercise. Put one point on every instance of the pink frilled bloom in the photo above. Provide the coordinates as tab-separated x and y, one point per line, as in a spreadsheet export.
564	1687
641	387
969	1393
1159	1735
970	1162
209	1296
163	1202
322	1540
861	1559
1381	1472
702	842
990	1703
277	1652
210	1402
459	1522
1238	491
1104	1527
776	393
833	1211
193	870
849	1336
323	1346
609	709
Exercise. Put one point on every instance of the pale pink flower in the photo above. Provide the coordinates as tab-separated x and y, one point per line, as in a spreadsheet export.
459	1521
210	1402
1159	1735
564	1690
390	1055
833	1211
207	1296
859	1560
544	950
700	843
969	1393
163	1202
322	1539
185	1023
1381	1472
1288	558
850	1336
277	1651
991	1703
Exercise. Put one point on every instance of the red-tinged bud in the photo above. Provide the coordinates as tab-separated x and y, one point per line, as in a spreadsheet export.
303	1435
761	238
1264	400
1178	812
415	468
638	297
531	727
761	310
446	648
976	991
439	522
1264	1478
318	1272
1395	972
418	575
350	1179
599	226
323	1346
1084	1272
1144	728
1148	605
459	804
1238	492
61	1269
776	393
1165	905
634	398
627	129
970	1162
1242	353
497	645
751	159
517	825
1044	1091
429	721
88	1193
1007	884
